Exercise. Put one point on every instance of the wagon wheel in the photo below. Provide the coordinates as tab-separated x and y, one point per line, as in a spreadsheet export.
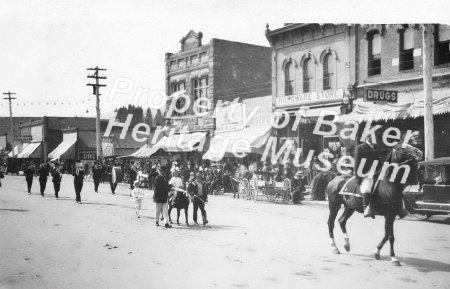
287	196
244	188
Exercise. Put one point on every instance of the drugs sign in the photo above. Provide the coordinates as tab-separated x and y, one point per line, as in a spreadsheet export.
378	95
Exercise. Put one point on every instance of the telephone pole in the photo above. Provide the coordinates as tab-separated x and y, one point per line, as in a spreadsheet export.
96	91
9	98
427	34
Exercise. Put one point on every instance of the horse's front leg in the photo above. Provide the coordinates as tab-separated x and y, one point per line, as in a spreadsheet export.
395	261
331	218
170	210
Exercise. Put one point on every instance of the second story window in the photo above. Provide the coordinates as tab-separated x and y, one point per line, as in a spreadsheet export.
374	59
308	75
289	79
406	59
200	89
179	86
442	44
328	72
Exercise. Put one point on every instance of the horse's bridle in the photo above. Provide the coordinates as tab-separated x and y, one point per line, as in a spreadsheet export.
411	156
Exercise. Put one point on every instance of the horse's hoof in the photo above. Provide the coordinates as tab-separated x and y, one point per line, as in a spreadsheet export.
187	224
395	262
336	251
347	247
376	256
171	222
178	224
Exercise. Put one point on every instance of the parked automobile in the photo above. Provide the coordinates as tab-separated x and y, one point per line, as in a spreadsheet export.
432	195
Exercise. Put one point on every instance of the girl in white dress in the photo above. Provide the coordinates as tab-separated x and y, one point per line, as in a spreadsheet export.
137	197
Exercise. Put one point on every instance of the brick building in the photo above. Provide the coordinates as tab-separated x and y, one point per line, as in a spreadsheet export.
219	70
313	71
390	59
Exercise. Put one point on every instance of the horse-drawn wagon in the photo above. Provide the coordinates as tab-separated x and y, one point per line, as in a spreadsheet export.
272	190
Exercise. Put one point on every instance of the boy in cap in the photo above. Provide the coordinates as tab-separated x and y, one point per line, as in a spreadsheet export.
199	194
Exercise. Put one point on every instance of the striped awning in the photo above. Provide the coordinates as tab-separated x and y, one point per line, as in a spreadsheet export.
30	150
182	142
65	150
145	152
257	137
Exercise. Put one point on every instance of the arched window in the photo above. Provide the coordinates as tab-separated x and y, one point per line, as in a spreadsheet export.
374	51
308	71
289	74
406	49
328	71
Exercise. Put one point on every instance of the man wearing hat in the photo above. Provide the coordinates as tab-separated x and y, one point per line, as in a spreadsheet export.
161	195
56	179
96	175
43	175
199	193
78	174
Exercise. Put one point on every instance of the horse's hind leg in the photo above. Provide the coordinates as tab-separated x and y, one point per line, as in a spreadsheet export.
334	209
178	216
186	215
348	212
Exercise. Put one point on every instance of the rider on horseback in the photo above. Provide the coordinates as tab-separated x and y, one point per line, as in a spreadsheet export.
366	151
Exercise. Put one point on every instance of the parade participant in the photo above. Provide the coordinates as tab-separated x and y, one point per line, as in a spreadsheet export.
133	174
366	151
199	194
78	179
298	187
43	175
112	176
96	175
161	194
56	179
137	197
29	174
2	174
176	182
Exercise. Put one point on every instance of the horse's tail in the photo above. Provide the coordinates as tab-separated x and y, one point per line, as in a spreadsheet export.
319	185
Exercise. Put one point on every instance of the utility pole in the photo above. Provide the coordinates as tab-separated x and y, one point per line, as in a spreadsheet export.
96	91
9	98
427	34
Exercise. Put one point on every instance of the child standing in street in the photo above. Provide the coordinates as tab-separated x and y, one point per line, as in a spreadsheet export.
137	197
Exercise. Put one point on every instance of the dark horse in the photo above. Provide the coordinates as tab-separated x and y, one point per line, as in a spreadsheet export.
181	202
386	199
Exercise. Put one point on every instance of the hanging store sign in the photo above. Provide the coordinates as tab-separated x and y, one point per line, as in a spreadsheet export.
87	154
23	138
378	95
310	98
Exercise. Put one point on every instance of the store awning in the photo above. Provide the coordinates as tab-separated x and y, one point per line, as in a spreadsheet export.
144	152
17	150
363	111
30	151
182	142
257	137
65	150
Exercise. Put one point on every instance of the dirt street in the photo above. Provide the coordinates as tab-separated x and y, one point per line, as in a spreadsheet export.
49	243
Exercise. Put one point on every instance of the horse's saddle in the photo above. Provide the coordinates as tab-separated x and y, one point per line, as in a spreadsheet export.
351	188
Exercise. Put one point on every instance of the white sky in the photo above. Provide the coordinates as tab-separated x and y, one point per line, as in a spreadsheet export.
46	45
